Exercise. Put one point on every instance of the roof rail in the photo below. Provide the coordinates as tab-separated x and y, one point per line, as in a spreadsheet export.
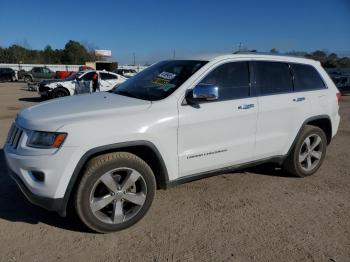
254	52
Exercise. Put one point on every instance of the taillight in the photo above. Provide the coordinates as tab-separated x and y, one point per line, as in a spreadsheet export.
338	96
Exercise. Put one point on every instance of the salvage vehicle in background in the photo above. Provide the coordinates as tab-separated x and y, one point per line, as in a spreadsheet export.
7	74
61	74
37	73
342	81
79	83
126	72
174	122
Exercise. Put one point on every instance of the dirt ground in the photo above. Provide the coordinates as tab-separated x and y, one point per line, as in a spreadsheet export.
260	214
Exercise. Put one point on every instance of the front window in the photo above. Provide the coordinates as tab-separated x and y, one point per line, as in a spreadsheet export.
160	80
88	76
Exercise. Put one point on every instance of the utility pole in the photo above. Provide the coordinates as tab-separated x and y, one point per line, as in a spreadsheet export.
174	54
134	58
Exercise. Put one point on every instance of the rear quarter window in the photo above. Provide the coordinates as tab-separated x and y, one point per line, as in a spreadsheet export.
306	78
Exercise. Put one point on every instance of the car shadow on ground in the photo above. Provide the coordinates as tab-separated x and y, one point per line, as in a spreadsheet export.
15	207
32	99
268	170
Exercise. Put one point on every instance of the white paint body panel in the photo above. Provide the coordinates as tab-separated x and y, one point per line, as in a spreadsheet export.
177	131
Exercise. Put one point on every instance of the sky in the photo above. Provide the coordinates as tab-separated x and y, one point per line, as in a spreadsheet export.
156	30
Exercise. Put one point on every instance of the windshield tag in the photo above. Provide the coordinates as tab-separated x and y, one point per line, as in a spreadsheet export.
167	75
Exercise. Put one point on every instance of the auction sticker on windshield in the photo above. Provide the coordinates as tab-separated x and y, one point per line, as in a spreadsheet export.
163	80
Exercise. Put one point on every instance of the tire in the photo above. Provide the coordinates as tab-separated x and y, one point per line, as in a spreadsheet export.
28	79
303	160
105	178
59	92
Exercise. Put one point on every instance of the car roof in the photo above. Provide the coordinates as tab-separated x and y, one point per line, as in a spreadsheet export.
267	57
98	71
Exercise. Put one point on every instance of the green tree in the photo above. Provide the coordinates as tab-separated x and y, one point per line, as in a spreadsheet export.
75	53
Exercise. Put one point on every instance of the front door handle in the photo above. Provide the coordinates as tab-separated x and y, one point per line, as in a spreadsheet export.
298	99
246	106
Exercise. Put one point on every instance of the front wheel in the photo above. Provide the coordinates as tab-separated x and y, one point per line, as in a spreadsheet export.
59	92
308	153
115	192
28	79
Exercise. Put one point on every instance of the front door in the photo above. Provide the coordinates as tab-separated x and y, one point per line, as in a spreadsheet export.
219	133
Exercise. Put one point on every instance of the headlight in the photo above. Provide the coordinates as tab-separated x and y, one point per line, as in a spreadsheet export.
46	139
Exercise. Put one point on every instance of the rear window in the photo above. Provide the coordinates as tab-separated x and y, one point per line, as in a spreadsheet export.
306	78
273	77
106	76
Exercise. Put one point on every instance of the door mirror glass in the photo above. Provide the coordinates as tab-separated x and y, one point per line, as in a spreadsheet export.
206	92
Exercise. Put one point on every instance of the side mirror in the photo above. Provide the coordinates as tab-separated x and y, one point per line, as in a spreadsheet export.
202	92
206	92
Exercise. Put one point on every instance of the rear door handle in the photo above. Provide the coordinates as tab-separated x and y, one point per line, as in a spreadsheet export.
298	99
246	106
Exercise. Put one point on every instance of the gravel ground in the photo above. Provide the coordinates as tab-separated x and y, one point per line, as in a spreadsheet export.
260	214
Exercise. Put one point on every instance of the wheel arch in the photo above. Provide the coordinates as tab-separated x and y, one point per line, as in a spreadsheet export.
62	87
321	121
143	149
28	75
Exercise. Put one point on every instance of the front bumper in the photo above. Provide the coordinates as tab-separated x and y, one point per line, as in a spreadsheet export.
57	168
52	204
44	90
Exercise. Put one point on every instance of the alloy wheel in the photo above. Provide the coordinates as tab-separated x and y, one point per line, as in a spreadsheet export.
118	195
310	152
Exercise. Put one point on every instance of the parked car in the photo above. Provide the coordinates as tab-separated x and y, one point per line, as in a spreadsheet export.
7	74
126	72
342	82
79	83
176	121
64	74
37	73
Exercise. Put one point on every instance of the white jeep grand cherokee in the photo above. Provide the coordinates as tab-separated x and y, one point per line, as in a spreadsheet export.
176	121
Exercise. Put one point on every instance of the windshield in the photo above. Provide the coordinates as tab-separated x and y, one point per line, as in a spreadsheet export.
160	80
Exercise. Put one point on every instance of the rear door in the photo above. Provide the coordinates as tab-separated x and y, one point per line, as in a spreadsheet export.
281	111
107	81
309	84
219	133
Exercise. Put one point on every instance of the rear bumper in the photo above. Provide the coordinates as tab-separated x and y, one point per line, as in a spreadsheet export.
335	124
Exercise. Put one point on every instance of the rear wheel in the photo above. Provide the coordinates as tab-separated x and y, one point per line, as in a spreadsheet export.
115	192
308	153
59	92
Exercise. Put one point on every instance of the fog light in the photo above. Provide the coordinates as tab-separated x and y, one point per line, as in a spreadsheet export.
38	176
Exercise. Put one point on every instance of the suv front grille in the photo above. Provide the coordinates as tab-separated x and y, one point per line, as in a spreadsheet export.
14	136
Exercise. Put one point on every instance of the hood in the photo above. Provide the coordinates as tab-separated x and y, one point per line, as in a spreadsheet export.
53	114
49	81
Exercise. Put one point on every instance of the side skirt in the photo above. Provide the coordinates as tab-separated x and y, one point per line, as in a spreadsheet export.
277	160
